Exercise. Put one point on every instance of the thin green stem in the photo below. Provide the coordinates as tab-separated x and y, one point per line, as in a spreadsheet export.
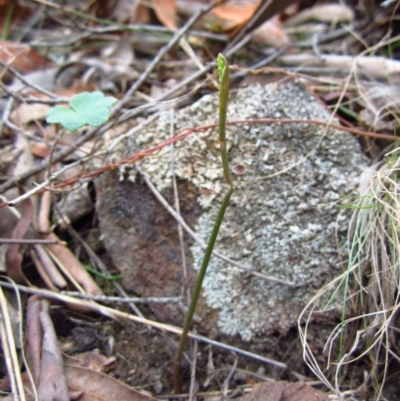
7	21
223	73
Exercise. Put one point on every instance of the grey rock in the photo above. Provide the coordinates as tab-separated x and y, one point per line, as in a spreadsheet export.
284	218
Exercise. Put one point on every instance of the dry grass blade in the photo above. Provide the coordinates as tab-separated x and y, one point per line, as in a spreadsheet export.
369	288
9	349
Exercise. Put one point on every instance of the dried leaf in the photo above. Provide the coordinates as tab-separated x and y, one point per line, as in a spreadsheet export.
121	52
44	78
43	222
67	259
97	386
230	17
8	219
22	57
34	334
25	159
52	384
284	391
140	14
14	251
49	267
271	33
91	360
27	113
323	12
42	272
166	12
40	149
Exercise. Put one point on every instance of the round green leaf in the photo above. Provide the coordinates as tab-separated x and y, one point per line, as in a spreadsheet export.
85	109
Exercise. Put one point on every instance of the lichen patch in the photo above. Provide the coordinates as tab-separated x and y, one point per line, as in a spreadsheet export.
283	217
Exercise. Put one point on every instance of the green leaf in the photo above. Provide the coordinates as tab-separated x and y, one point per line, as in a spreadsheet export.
221	62
102	275
85	109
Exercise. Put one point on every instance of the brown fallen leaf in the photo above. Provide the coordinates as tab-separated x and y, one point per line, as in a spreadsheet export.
24	161
61	255
165	11
284	391
34	334
230	16
42	271
43	222
67	260
97	386
52	383
265	10
271	33
140	14
91	360
26	113
331	13
49	268
40	149
22	57
14	251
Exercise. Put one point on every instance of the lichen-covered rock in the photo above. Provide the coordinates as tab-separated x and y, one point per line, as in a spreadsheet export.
283	219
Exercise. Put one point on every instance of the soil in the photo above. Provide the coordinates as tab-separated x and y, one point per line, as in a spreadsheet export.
145	356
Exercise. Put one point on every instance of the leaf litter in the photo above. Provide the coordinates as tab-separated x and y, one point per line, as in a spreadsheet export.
80	47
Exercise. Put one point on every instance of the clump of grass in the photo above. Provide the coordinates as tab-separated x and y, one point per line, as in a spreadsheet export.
368	290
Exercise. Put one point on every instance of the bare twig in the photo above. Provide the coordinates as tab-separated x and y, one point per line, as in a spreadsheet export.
30	241
178	211
178	35
180	136
124	300
101	266
47	182
193	382
30	84
9	349
112	313
225	386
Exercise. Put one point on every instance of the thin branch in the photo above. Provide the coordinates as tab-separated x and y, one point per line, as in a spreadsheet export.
178	211
30	241
30	84
113	313
178	35
193	383
103	268
136	300
47	182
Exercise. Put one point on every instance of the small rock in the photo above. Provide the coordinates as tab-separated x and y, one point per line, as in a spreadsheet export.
283	218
